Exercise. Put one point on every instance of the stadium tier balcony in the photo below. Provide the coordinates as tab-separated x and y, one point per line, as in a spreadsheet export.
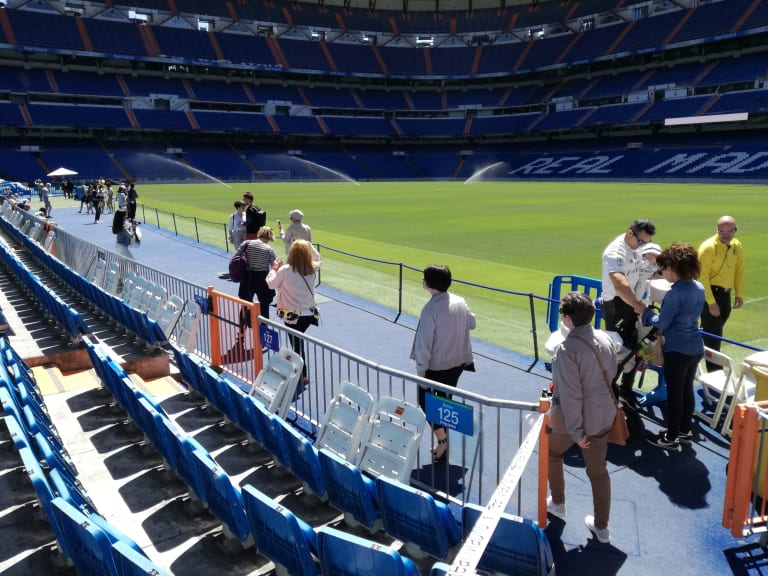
80	83
246	49
737	69
611	114
712	20
594	43
690	106
498	125
752	101
78	115
354	58
29	81
214	121
190	44
32	28
648	33
10	114
111	37
219	92
330	98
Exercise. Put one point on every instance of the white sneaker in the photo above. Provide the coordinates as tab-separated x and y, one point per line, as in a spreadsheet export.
557	510
602	535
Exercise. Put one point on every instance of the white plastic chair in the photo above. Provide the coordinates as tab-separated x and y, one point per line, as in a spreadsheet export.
188	326
97	274
345	421
276	383
743	391
716	386
391	440
169	314
112	278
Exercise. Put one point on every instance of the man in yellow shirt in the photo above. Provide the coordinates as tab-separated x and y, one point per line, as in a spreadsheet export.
722	271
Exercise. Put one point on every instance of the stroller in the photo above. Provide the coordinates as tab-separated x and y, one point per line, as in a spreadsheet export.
640	359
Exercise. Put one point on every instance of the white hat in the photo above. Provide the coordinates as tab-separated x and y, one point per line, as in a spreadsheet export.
650	248
296	215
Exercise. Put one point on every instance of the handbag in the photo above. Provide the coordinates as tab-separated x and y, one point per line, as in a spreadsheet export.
656	350
619	431
238	265
315	309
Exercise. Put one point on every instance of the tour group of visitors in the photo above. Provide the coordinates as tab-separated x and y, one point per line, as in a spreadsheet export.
704	287
292	281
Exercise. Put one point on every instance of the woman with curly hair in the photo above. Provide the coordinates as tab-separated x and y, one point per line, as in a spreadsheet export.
683	344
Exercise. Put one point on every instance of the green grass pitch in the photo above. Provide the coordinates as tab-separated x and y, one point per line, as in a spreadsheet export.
510	235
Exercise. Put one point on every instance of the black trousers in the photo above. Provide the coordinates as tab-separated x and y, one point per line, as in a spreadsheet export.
449	377
621	317
715	324
255	284
679	372
297	343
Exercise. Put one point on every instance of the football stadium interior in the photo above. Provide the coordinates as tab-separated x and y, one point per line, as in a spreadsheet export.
156	424
250	90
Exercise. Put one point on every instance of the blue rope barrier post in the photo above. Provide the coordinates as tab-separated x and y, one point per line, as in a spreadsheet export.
175	228
399	292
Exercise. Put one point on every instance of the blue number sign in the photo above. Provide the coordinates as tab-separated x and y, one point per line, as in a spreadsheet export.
449	414
269	338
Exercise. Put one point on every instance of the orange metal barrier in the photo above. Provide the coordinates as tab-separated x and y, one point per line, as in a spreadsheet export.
234	329
744	505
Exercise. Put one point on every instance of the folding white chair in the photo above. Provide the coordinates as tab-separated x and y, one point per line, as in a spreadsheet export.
743	391
391	440
276	383
345	421
188	325
716	386
169	314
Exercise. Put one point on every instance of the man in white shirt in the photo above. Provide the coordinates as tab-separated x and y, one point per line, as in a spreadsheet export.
622	267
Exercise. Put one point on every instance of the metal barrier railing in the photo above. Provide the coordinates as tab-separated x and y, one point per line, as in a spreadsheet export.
234	329
81	256
496	427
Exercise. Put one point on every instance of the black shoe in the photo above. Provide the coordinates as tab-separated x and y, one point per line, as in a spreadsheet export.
685	437
663	442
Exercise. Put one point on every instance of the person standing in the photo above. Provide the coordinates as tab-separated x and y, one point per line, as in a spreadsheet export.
295	285
441	346
583	409
46	198
722	272
255	217
121	197
622	265
131	198
98	203
110	199
261	257
683	344
296	231
236	225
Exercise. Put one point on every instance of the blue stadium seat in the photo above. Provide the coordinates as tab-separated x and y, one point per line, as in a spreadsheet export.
304	461
280	535
181	447
350	491
342	553
128	562
415	517
86	544
271	433
245	405
223	498
518	547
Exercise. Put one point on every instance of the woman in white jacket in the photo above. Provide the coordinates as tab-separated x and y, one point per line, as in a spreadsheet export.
295	285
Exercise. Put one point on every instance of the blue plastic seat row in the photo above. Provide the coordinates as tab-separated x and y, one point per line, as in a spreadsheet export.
65	316
426	525
88	541
180	451
297	549
133	320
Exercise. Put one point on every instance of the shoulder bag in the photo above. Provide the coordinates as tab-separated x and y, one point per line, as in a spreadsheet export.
238	265
619	431
316	310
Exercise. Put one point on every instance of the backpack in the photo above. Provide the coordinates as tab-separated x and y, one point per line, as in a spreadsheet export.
238	266
255	218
